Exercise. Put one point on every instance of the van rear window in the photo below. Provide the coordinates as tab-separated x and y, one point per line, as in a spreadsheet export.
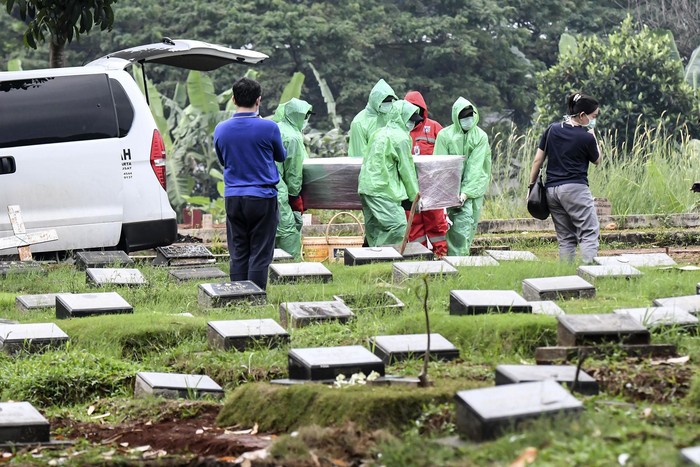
56	109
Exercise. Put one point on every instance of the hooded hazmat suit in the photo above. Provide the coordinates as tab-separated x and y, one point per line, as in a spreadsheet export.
427	225
290	118
476	174
387	177
371	118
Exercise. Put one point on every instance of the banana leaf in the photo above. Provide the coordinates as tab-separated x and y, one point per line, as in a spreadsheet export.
293	88
14	65
200	90
327	97
567	45
692	70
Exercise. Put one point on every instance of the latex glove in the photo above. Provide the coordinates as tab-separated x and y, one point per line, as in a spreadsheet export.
296	203
462	198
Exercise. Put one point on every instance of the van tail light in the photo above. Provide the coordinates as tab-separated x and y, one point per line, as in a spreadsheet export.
158	157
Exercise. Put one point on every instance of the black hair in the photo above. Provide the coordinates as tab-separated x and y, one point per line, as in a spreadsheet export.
246	91
578	102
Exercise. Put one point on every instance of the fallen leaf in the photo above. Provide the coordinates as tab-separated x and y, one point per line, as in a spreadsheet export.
106	414
646	412
241	432
90	410
142	448
528	456
149	423
678	360
623	458
610	226
124	444
199	432
6	455
254	431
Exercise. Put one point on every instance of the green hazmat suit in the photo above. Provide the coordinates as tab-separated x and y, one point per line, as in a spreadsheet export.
476	174
290	119
370	119
388	176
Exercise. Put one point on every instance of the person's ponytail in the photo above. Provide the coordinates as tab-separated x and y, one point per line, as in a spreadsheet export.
578	102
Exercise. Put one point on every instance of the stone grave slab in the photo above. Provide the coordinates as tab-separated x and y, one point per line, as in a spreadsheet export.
281	256
411	269
295	272
183	255
36	302
610	260
246	333
102	259
648	260
90	304
546	307
553	288
415	251
477	302
373	301
358	256
20	422
689	303
486	413
691	456
299	314
217	295
653	317
31	337
200	273
617	271
562	374
8	268
593	329
101	277
470	261
325	363
397	348
511	255
175	385
557	355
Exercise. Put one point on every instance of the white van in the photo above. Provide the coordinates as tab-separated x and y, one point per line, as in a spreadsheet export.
80	152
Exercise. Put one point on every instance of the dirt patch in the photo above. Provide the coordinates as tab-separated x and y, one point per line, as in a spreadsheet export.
647	381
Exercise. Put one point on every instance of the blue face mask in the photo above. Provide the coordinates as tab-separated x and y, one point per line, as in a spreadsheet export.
466	123
591	123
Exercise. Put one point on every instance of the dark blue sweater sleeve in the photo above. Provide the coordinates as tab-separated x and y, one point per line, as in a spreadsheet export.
278	151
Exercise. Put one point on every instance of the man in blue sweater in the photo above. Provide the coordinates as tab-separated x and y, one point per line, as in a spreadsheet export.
247	147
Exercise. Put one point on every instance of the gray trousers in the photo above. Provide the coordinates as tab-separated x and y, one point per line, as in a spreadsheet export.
575	220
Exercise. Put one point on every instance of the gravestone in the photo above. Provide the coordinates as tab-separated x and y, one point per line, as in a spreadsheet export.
90	304
610	260
8	268
183	255
32	337
101	277
648	260
299	314
511	255
411	269
295	272
593	272
102	259
36	302
415	251
553	288
689	303
325	363
691	456
396	348
485	413
246	333
593	329
20	422
546	307
201	273
175	385
477	302
373	301
281	256
562	374
470	261
366	255
217	295
657	317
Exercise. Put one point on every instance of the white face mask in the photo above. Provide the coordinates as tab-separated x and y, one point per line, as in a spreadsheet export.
410	126
306	123
385	107
466	123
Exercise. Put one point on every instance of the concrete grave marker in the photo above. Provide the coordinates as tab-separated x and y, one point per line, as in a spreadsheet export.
175	385
486	413
90	304
299	314
201	273
691	456
411	269
396	348
553	288
21	239
32	337
648	260
415	251
593	272
593	329
477	302
36	302
8	268
372	301
246	333
183	255
546	307
511	255
470	261
325	363
217	295
660	317
100	277
689	303
294	272
102	259
610	260
281	256
20	422
358	256
562	374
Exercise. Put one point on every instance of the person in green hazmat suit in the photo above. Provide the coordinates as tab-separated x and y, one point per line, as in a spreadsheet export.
465	138
388	177
371	118
291	117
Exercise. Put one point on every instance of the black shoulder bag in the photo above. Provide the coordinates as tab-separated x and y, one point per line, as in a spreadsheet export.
537	197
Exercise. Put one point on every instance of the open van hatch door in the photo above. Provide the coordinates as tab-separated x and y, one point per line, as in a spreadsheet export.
188	54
